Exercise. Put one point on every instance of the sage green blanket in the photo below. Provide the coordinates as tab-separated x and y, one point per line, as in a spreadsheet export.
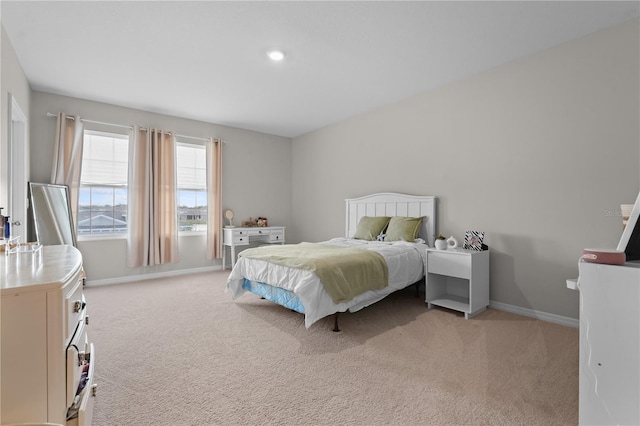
345	272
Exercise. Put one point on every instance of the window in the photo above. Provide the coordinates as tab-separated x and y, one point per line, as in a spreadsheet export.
191	186
102	208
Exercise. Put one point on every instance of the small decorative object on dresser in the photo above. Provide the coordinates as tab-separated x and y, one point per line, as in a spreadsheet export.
625	209
229	215
441	242
452	242
473	240
262	221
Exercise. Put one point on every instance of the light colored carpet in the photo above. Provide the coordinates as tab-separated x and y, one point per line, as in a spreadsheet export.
179	351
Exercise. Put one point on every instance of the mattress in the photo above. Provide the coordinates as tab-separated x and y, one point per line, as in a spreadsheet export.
405	262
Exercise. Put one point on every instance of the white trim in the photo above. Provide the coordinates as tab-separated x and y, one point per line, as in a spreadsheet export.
17	167
544	316
142	277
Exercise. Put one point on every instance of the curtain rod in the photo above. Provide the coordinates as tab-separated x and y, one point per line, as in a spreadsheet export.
70	117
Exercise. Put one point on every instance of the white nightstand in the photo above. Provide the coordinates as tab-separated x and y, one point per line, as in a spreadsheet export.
457	279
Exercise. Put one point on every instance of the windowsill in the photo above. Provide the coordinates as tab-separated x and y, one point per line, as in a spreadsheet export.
192	233
82	238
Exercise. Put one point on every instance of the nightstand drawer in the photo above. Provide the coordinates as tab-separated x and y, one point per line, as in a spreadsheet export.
453	265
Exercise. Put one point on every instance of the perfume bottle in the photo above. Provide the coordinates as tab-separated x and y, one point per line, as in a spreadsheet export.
7	228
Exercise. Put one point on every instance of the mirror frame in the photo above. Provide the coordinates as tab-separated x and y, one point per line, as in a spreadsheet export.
37	211
630	239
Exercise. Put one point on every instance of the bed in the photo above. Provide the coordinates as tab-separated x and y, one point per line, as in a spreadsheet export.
260	270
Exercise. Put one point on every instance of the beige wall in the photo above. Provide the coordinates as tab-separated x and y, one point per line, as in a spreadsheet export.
12	81
538	153
256	176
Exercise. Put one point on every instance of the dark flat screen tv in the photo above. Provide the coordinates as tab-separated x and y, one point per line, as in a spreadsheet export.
630	240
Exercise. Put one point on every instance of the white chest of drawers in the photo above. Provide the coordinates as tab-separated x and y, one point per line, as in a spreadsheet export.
609	380
457	279
46	353
234	237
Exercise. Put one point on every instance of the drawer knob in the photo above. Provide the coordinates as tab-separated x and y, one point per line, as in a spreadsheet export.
78	305
86	320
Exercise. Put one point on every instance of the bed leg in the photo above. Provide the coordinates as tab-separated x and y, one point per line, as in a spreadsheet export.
335	322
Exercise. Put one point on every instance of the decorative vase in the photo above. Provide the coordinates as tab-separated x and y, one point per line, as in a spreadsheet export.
441	244
452	242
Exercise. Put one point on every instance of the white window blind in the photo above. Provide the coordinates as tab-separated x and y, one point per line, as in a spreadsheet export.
192	166
191	171
104	159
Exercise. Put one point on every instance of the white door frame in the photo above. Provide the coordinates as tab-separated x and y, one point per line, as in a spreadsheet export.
18	169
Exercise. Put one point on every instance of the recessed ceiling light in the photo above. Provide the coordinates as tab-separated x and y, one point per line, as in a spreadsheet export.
276	55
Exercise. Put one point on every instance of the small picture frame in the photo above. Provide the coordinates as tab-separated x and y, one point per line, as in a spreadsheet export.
473	240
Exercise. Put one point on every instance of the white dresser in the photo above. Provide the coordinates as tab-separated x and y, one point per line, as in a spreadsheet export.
47	358
609	343
234	237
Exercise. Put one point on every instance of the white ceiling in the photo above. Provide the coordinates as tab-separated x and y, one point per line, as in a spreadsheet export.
206	60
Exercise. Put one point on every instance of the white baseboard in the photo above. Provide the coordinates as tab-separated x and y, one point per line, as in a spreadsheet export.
141	277
544	316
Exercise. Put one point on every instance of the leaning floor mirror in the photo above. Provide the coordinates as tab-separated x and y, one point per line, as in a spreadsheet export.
51	211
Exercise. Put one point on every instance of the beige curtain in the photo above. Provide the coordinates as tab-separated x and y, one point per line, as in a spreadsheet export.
67	157
214	198
152	230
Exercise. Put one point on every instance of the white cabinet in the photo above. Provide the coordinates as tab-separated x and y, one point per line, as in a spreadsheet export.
233	237
457	279
47	358
609	343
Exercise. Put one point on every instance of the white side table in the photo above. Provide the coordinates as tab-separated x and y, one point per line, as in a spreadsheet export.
457	279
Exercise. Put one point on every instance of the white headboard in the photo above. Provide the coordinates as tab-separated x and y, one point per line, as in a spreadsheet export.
392	204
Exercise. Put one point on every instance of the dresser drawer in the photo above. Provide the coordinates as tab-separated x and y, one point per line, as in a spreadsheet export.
452	265
276	236
259	232
240	240
74	304
86	398
77	356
